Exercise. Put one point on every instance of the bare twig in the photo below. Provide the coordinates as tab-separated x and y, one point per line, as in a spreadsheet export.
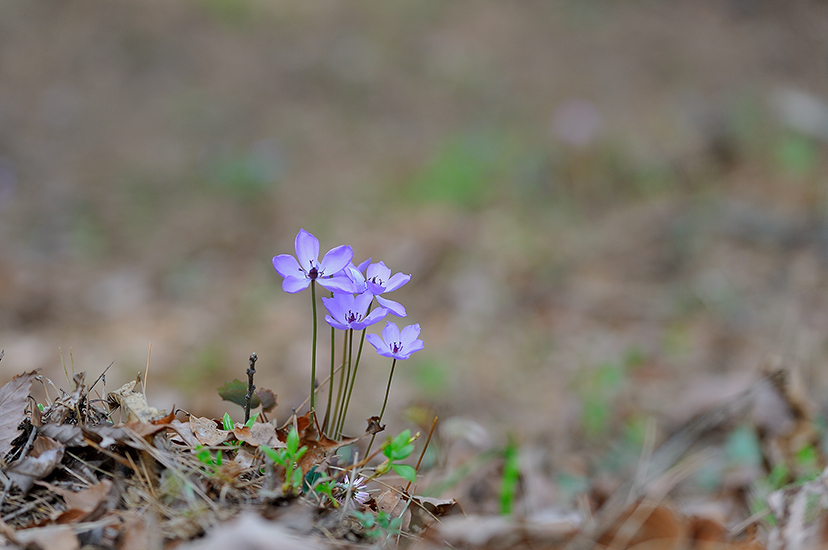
250	387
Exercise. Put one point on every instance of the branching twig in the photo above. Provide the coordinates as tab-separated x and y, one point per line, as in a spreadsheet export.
250	387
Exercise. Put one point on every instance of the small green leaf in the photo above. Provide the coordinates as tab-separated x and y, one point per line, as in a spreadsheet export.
275	456
406	472
251	421
218	458
292	441
227	422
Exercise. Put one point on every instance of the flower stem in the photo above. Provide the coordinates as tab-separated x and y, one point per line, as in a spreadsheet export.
313	353
350	389
384	403
330	383
341	420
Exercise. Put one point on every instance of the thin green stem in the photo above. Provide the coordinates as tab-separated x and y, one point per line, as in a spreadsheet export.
313	352
350	389
384	403
339	393
341	421
330	383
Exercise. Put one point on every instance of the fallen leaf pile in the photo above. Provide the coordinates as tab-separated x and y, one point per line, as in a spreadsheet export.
117	473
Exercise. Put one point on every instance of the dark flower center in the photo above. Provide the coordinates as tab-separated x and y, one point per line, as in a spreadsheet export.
352	317
313	273
396	347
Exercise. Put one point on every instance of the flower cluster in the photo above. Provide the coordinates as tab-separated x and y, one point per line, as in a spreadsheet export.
354	289
357	301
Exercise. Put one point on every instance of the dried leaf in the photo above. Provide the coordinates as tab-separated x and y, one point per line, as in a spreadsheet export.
235	392
267	399
207	432
82	505
53	537
44	457
134	403
320	447
70	435
249	530
13	400
184	434
426	510
261	433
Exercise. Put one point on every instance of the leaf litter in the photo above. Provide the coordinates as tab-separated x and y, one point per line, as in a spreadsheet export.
74	477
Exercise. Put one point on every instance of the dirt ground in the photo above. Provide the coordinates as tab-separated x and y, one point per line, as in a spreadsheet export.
614	214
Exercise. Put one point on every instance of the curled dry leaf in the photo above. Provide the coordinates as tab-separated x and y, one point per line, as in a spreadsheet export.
81	505
426	510
53	537
134	404
320	447
13	400
44	457
267	398
207	432
261	433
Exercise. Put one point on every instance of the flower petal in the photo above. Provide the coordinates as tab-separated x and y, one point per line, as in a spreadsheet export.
416	345
336	259
377	342
334	323
394	307
340	283
307	249
409	334
293	285
396	281
379	271
363	265
287	266
376	315
391	333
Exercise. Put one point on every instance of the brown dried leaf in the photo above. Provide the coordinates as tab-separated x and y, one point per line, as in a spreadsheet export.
53	537
261	433
70	435
81	504
13	400
184	434
248	531
134	403
426	510
207	432
44	457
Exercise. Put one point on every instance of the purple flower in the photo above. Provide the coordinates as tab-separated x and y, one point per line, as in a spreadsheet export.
349	311
379	280
328	273
395	343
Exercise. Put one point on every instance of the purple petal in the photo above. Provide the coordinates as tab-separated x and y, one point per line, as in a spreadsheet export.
334	306
396	281
356	277
362	301
307	249
363	265
336	259
293	285
374	288
334	323
376	315
391	333
409	334
416	345
378	270
377	342
287	266
340	283
394	307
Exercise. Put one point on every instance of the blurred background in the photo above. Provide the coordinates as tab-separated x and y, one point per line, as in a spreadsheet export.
609	209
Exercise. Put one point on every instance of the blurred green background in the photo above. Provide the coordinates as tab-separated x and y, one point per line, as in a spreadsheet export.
609	209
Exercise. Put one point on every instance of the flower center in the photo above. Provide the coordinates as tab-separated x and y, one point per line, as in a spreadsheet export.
313	273
352	317
396	347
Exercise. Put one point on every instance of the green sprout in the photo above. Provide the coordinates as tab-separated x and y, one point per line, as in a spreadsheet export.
288	457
